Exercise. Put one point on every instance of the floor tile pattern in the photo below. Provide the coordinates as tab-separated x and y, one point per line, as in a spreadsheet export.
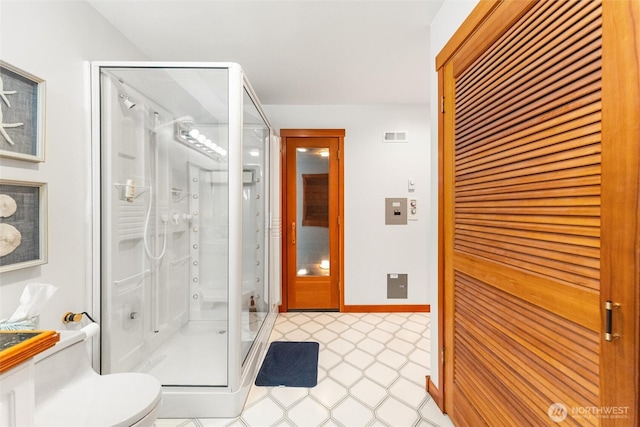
371	373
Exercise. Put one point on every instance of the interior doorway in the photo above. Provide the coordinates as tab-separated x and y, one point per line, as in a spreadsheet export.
313	219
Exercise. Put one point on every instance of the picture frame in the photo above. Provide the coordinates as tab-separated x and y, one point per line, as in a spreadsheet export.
23	224
22	114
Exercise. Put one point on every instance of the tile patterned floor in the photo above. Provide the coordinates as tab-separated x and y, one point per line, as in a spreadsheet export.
371	371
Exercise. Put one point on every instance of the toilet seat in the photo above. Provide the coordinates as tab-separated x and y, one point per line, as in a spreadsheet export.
89	402
68	392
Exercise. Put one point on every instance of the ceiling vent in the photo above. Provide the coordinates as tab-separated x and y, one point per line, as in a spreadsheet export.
395	136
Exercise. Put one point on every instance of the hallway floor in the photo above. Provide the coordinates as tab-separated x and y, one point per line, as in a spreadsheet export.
371	372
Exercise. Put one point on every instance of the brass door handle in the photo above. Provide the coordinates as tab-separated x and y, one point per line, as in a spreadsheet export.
608	307
293	233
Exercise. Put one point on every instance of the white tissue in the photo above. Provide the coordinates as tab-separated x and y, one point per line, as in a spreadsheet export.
31	302
91	330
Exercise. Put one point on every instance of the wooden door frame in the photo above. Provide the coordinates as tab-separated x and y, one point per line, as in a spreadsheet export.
312	133
620	244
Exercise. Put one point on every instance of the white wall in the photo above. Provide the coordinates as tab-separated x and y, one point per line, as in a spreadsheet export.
373	171
54	40
450	16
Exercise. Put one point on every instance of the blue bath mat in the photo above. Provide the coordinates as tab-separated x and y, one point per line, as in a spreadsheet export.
290	364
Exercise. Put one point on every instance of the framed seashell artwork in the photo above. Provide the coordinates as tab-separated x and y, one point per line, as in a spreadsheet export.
23	224
22	111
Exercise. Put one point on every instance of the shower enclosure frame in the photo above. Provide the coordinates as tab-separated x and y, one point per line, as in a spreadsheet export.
205	401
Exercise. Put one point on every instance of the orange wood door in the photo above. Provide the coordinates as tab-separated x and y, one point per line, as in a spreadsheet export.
528	202
312	227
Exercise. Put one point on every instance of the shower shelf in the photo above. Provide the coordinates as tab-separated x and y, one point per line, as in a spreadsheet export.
179	195
122	189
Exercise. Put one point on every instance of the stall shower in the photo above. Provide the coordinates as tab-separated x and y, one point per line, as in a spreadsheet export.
186	168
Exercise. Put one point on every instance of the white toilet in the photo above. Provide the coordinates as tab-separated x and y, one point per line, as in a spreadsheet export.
68	392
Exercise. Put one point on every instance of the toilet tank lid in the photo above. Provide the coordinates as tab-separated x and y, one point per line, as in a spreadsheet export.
67	338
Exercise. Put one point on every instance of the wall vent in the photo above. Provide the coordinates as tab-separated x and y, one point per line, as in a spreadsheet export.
395	136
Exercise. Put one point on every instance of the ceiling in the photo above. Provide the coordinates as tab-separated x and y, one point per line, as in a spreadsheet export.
294	51
323	52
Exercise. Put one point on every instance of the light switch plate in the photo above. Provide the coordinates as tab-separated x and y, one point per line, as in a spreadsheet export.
412	210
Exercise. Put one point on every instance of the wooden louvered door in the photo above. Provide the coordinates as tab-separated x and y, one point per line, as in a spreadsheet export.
522	188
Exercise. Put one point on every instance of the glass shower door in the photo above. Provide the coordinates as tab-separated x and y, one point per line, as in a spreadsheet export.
187	224
255	197
165	222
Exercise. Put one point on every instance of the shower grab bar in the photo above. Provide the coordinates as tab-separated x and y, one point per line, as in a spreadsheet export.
179	260
128	279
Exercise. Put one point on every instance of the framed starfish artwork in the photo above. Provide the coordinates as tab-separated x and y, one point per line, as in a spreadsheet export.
23	224
22	103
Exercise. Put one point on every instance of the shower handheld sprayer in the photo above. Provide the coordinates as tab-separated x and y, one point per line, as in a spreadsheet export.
153	181
165	221
152	190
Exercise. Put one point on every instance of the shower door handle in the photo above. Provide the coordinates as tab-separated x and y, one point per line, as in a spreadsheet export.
293	233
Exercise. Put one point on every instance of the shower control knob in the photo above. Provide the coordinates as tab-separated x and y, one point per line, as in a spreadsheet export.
187	217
